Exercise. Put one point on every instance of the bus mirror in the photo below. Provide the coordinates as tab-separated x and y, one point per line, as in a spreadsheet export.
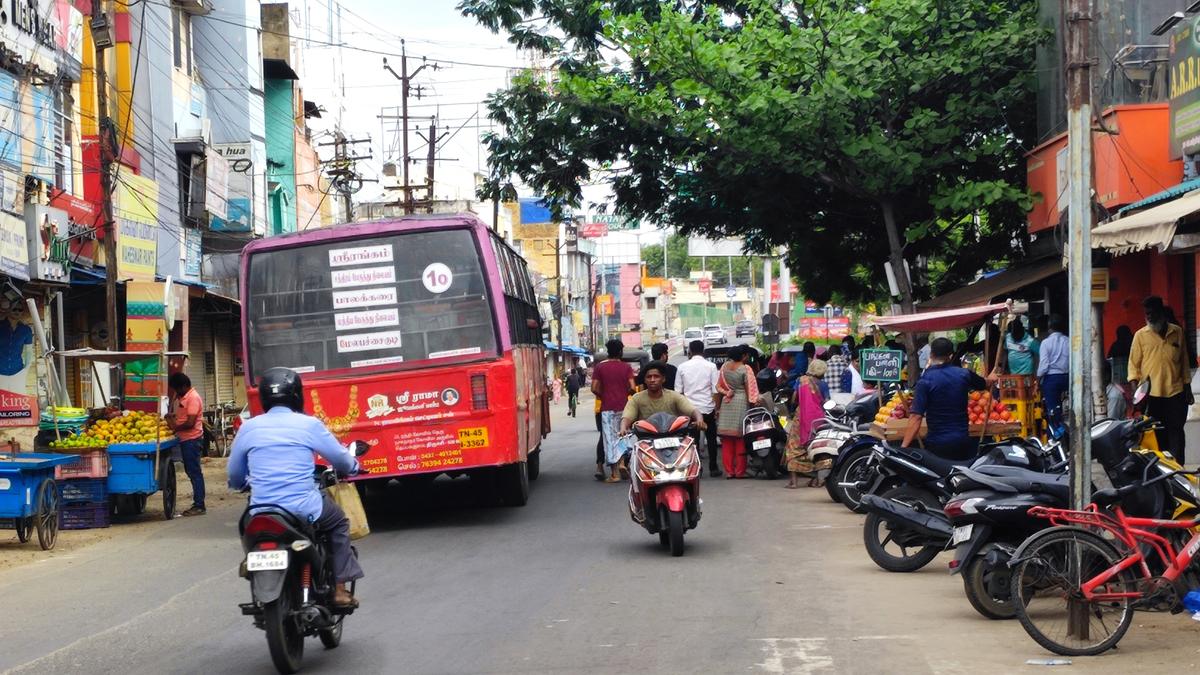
360	448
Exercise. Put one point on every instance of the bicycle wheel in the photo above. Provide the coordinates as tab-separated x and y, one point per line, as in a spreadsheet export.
1050	604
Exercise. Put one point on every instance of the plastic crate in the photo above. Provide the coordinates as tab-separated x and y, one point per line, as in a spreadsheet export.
1015	387
83	490
92	463
86	516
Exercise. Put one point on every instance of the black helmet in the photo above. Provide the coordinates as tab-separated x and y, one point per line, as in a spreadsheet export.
281	386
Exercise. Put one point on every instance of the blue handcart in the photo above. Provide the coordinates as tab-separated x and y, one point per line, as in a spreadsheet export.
138	470
28	496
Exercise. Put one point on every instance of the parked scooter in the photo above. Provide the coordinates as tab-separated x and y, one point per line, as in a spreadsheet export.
764	433
291	578
664	491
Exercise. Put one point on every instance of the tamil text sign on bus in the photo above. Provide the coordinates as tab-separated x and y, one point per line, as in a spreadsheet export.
881	365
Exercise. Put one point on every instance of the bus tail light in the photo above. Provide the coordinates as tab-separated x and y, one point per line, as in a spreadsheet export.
479	399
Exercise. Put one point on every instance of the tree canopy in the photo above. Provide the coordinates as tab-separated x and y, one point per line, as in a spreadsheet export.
851	133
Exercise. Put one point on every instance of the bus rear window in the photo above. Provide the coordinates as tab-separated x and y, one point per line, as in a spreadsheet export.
391	300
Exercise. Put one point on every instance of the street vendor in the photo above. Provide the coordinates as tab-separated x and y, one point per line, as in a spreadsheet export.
941	401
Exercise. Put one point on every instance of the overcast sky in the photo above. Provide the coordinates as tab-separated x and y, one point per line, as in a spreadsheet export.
453	92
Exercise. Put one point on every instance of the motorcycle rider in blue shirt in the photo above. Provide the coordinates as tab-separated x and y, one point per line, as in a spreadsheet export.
273	456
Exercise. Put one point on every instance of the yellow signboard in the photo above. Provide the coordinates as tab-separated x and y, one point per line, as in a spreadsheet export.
136	212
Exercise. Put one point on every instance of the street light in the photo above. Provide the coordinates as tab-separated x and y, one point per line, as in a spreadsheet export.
1169	22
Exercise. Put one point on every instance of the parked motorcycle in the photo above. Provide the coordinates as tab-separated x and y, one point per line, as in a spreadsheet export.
664	491
908	488
990	512
291	578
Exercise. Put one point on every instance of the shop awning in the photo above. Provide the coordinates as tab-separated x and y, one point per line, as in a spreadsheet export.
941	320
1152	228
569	349
996	286
1159	197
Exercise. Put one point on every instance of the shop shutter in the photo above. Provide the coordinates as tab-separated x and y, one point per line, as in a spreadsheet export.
199	363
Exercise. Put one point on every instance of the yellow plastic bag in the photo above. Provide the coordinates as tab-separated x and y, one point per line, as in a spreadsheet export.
346	496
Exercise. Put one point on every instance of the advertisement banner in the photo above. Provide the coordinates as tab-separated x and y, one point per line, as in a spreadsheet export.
17	407
81	227
1184	91
46	230
593	230
239	188
417	423
216	184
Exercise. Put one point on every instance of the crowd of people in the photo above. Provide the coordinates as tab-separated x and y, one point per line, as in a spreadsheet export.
717	398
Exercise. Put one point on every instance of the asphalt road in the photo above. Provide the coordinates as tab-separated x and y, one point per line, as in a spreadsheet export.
773	581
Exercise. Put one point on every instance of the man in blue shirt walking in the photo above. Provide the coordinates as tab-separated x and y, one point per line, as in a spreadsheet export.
941	401
273	456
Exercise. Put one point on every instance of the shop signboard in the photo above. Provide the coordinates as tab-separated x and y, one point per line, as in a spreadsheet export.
18	376
136	214
69	39
31	33
1184	88
880	365
613	222
592	230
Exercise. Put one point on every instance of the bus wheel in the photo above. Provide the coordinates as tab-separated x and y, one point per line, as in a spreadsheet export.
514	484
534	463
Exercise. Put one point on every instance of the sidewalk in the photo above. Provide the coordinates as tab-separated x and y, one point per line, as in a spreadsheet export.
72	542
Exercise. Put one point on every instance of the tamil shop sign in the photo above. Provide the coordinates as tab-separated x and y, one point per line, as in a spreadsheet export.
1184	92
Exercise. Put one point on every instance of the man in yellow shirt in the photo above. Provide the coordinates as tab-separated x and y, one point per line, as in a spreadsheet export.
1160	354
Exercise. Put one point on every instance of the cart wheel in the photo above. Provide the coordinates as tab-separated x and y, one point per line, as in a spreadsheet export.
168	489
23	526
47	514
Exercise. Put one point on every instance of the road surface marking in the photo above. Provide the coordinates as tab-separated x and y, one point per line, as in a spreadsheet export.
807	655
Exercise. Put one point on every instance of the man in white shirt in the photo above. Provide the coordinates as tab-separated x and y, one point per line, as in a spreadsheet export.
696	379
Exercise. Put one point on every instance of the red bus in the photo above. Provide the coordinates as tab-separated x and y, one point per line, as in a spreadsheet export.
420	336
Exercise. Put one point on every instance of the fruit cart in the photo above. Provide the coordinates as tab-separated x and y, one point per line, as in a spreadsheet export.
29	497
986	417
141	463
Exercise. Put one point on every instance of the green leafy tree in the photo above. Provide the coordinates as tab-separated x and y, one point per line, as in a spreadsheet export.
852	133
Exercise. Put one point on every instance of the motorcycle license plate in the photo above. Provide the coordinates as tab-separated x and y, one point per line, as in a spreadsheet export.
961	534
761	443
263	561
661	443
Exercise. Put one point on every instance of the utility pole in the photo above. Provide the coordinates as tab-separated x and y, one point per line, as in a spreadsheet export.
557	290
341	172
1079	247
108	149
405	80
431	141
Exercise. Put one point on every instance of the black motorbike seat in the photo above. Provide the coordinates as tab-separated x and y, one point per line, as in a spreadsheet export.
939	465
1025	481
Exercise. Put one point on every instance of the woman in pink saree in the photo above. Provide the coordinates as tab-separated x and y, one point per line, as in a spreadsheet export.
809	401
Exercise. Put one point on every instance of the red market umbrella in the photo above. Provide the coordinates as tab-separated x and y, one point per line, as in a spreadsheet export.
941	320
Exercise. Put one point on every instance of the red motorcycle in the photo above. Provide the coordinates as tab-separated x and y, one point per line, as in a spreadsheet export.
664	494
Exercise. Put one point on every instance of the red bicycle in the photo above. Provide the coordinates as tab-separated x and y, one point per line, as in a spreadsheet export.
1079	583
